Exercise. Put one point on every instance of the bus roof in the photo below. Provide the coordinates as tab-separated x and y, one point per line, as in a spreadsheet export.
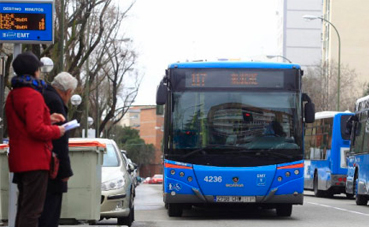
362	99
234	64
329	114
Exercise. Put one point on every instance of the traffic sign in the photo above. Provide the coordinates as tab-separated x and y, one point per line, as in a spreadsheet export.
27	21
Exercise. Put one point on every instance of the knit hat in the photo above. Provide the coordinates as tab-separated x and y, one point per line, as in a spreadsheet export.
26	63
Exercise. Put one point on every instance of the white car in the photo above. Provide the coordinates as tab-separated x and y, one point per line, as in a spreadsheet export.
117	200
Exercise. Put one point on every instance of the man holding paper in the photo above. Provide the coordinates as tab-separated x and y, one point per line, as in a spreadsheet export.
57	96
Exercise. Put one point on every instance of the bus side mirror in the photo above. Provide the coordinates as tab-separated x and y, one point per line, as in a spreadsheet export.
309	109
309	112
350	123
161	94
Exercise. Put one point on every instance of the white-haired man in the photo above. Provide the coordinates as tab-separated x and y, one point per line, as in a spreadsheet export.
57	96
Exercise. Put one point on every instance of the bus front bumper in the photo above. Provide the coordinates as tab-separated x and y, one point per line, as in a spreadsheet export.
269	199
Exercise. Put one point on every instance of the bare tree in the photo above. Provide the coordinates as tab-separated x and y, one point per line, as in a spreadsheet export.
95	51
321	84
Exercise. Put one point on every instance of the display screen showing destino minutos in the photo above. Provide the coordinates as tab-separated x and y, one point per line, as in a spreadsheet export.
234	78
22	21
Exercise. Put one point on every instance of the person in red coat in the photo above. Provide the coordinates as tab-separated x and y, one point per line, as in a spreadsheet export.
30	133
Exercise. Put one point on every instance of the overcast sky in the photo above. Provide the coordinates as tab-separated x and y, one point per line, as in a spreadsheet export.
167	31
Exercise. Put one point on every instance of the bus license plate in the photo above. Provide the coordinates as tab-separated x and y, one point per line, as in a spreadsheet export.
235	199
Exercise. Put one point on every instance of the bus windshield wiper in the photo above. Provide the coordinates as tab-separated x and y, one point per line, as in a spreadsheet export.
258	152
202	149
277	154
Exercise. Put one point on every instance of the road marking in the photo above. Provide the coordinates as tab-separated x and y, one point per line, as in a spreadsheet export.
341	209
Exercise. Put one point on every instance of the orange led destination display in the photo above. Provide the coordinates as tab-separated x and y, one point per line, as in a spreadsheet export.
22	21
241	78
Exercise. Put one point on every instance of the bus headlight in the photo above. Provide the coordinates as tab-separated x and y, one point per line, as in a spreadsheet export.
297	172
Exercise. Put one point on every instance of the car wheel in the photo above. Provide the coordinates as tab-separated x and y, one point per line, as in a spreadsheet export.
131	217
127	220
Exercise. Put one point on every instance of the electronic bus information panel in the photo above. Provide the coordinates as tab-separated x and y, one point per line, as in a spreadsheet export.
26	22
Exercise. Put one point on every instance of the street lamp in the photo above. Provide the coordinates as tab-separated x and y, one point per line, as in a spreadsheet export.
76	100
48	65
313	17
279	56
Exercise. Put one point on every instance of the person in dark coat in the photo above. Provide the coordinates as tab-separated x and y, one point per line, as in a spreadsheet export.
56	98
30	133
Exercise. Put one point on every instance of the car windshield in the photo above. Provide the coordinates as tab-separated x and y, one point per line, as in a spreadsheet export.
110	157
158	176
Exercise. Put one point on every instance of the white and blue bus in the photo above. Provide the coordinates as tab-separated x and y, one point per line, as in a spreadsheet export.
326	147
358	160
233	133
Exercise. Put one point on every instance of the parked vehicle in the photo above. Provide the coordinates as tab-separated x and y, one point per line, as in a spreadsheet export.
147	180
326	146
117	200
358	158
156	179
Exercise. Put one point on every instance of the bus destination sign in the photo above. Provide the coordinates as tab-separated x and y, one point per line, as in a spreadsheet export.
26	22
267	79
22	21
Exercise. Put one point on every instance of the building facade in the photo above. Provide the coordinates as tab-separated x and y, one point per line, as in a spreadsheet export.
350	18
151	130
299	41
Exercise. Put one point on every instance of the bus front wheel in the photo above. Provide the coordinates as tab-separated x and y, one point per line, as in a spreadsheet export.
284	210
175	209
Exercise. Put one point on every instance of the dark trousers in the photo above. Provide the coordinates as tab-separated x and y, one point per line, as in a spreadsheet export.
52	208
32	192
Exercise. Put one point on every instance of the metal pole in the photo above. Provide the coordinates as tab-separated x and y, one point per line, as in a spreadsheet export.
285	59
281	56
13	187
2	74
339	63
87	78
97	120
61	41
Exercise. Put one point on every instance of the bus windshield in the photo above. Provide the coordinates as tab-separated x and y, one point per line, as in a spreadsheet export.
259	128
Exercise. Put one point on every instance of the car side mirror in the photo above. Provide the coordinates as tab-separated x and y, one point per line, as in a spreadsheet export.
131	168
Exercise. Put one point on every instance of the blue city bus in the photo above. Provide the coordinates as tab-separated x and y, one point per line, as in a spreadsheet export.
326	148
233	134
358	157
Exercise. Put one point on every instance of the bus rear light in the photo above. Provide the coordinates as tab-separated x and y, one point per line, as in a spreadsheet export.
181	174
296	172
172	172
288	174
340	179
189	179
280	179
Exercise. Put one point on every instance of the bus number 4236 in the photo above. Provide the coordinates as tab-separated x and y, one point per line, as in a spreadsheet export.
213	179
